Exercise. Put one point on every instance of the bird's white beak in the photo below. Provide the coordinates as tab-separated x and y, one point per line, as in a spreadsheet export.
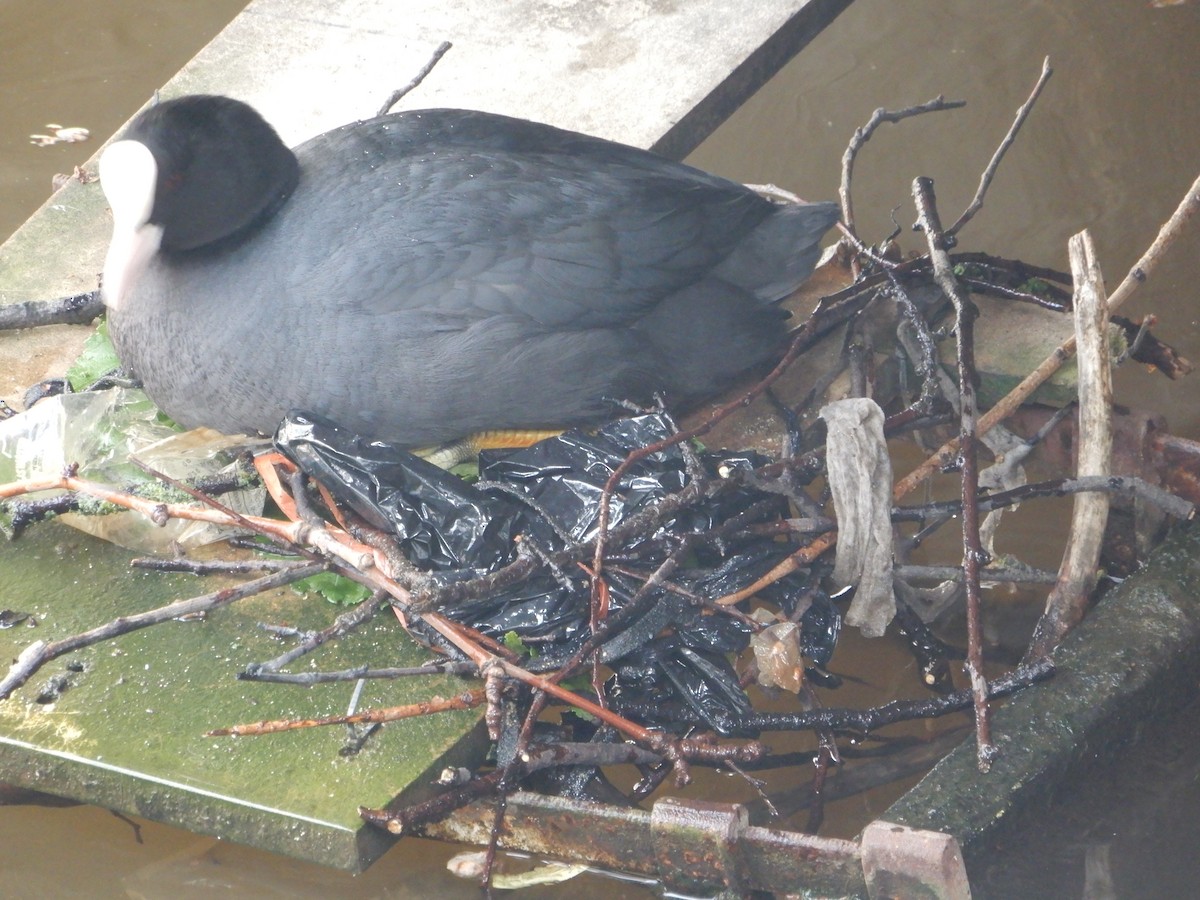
128	174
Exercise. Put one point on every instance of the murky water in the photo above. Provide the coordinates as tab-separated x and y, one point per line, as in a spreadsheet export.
1111	146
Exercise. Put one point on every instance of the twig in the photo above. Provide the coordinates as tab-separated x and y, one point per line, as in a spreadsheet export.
39	653
210	567
448	667
863	134
197	495
973	553
866	720
1124	485
794	562
79	309
1077	576
398	94
465	700
914	759
990	172
1170	231
405	821
327	540
342	625
978	286
1002	574
23	513
926	361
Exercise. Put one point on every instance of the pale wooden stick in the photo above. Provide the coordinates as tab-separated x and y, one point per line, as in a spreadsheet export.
1077	576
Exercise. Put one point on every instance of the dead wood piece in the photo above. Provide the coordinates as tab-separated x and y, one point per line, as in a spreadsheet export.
1077	575
39	653
1142	270
342	625
80	309
465	700
866	720
989	173
973	553
398	94
863	134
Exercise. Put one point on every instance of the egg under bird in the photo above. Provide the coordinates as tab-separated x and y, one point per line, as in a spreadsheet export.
422	276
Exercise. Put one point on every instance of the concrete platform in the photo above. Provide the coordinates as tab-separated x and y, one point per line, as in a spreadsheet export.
1135	658
127	734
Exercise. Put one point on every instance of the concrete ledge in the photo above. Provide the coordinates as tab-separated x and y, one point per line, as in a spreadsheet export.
1135	657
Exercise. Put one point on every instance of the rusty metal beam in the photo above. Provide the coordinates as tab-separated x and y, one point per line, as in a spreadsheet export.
685	844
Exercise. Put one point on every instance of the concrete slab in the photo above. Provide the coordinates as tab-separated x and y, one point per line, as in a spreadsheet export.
1134	658
122	724
127	734
905	862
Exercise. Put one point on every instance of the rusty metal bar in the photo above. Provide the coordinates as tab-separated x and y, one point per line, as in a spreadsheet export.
684	844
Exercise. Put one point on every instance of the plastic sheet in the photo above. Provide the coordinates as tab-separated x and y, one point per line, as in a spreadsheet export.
98	432
441	521
672	659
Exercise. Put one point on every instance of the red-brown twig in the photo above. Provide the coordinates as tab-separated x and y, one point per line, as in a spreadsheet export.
973	553
299	534
465	700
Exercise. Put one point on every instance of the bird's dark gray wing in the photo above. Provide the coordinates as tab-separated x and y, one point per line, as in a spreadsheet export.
587	238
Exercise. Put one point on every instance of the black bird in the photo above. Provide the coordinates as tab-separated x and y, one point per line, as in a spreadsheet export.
426	275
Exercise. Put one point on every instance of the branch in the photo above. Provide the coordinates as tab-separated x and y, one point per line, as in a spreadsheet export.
80	309
989	173
863	134
1140	273
1077	576
973	553
398	94
39	653
465	700
867	720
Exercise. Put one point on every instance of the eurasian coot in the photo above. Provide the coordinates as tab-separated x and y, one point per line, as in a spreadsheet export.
421	276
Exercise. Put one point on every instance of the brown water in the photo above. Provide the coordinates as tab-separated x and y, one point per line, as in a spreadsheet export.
1111	146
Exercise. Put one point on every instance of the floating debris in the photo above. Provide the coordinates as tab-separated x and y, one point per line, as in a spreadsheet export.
60	134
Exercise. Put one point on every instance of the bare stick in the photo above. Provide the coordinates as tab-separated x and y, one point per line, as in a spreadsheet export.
80	309
1004	574
863	134
973	553
989	173
342	625
449	667
465	700
38	653
1077	576
866	720
410	818
210	567
398	94
1141	272
300	534
1125	485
